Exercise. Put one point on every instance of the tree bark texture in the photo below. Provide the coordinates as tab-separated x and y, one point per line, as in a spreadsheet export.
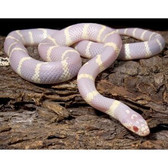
56	117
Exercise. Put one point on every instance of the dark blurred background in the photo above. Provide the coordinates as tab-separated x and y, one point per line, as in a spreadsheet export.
8	25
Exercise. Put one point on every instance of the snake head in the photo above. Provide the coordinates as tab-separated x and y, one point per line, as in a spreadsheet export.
133	121
139	127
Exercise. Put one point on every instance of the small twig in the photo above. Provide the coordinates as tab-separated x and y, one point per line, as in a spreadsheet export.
4	61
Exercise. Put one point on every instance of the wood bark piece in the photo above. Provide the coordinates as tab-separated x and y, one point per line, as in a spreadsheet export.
56	117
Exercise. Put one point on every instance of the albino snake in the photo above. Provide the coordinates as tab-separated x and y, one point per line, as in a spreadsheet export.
98	42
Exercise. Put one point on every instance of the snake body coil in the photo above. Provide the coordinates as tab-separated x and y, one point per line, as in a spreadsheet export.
98	42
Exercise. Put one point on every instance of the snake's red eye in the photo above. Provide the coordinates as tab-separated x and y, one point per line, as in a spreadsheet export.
135	128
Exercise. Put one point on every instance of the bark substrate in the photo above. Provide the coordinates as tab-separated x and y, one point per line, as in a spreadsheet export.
56	117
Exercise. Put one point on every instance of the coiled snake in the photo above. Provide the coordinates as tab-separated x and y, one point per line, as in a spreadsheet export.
62	62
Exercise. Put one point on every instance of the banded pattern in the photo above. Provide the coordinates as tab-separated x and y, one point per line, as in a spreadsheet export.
152	45
101	43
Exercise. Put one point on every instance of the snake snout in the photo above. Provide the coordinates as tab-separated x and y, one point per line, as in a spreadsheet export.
133	121
139	127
